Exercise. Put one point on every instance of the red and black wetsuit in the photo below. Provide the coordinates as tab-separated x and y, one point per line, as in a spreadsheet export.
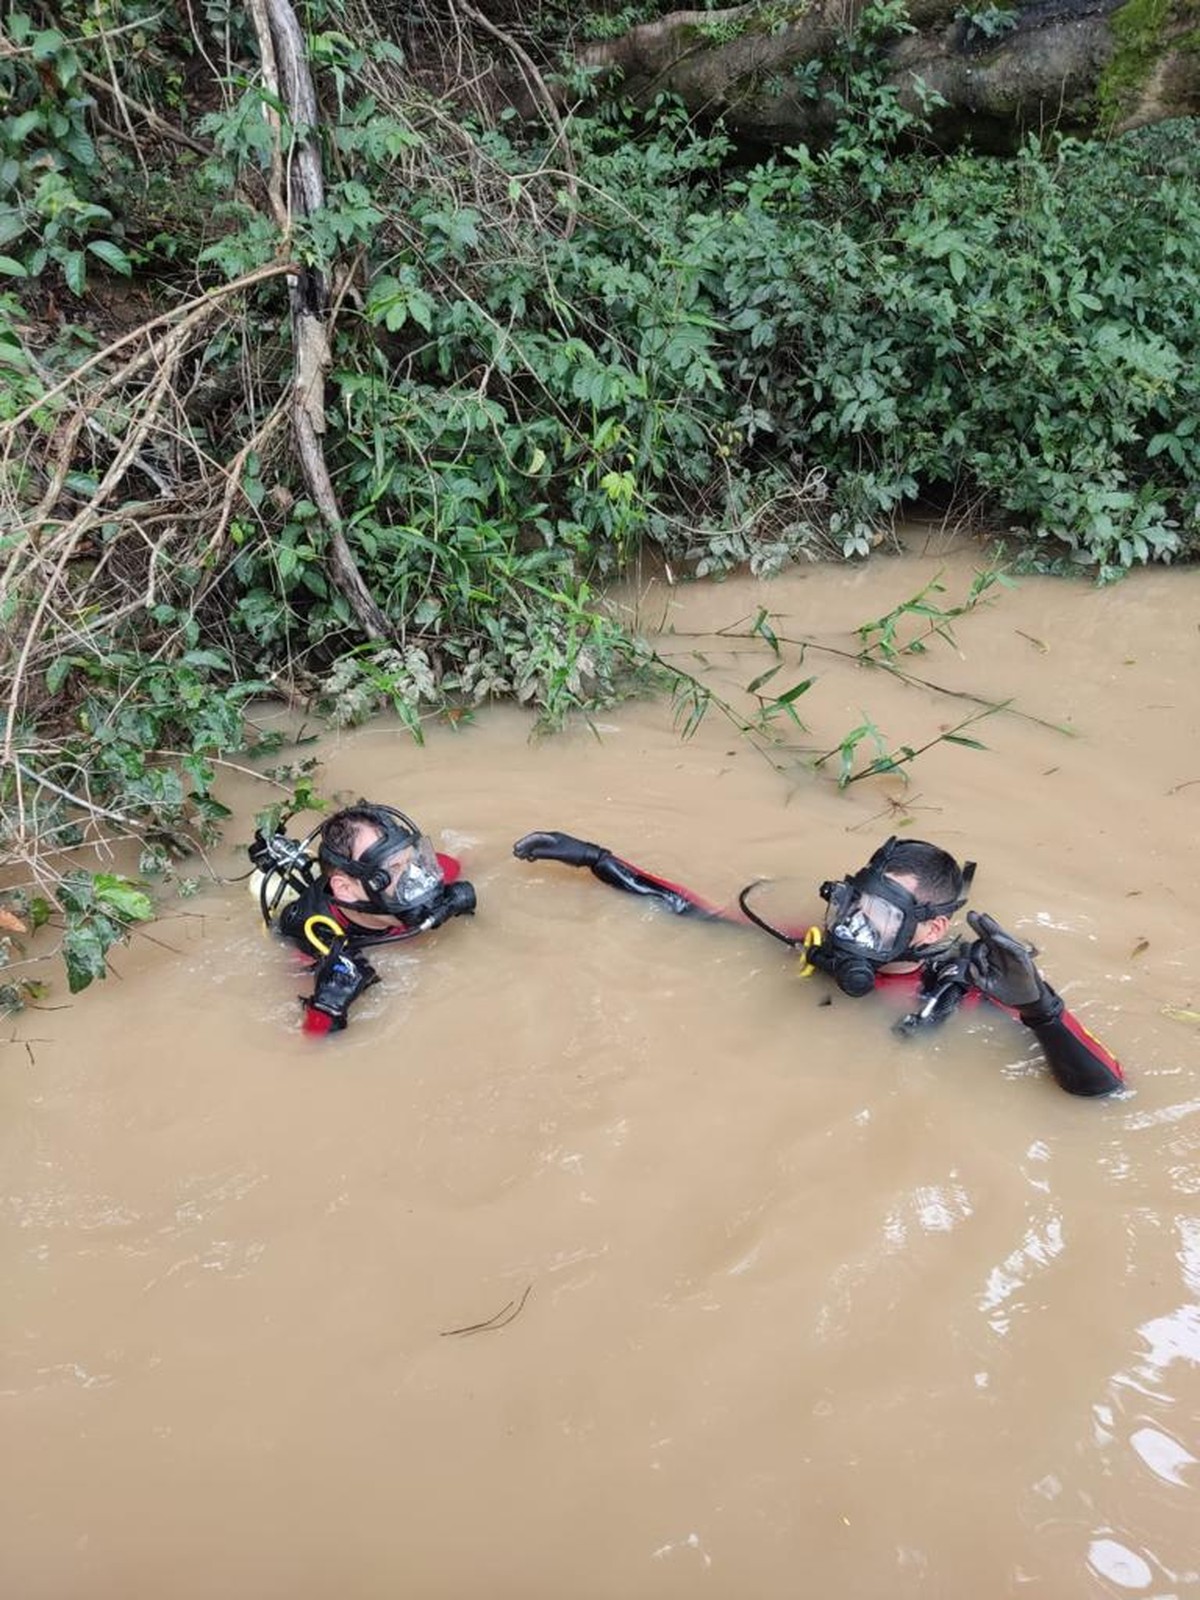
1080	1064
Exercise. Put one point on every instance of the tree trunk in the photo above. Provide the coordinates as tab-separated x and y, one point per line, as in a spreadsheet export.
301	191
1083	66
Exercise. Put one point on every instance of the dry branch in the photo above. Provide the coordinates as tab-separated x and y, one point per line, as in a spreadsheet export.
538	88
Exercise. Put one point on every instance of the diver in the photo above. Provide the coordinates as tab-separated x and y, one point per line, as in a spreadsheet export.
889	923
375	880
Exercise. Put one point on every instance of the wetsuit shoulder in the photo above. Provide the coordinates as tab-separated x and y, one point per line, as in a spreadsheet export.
451	867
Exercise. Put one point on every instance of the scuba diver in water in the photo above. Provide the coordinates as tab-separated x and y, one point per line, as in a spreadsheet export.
889	923
375	880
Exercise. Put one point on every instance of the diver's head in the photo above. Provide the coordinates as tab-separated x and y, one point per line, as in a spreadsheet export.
896	909
379	865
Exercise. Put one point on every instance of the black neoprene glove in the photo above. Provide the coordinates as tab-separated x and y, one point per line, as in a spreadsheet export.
338	981
1002	968
558	847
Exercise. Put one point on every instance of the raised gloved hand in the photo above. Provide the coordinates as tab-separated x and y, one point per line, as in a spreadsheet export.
338	980
1002	968
558	847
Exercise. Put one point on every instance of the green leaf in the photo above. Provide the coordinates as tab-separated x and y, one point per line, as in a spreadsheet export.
47	44
961	738
795	692
75	271
112	256
18	130
12	223
123	899
206	658
57	673
83	951
12	269
764	677
763	628
421	309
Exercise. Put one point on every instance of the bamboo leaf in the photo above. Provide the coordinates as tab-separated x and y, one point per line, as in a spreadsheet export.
764	677
795	692
764	630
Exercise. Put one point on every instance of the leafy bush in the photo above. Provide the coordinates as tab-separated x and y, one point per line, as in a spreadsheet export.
50	169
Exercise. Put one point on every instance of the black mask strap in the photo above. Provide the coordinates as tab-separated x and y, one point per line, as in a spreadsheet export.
925	909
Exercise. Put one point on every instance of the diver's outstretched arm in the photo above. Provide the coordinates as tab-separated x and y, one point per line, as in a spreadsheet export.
1003	969
1080	1064
617	873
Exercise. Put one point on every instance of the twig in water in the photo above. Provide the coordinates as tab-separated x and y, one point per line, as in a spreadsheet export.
503	1317
896	811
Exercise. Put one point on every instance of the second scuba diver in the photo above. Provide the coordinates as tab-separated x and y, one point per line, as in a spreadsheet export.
375	880
889	923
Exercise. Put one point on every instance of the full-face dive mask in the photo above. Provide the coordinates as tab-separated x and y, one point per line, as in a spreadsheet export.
408	895
871	919
870	922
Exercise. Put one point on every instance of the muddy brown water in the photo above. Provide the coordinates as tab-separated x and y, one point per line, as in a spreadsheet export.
802	1309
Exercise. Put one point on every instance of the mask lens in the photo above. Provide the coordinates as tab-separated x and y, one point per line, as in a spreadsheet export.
419	878
866	921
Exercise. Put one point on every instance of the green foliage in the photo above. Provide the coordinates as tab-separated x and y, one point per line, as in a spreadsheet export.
887	761
1138	36
541	368
50	170
1022	334
982	24
141	747
93	912
883	639
886	641
100	908
145	738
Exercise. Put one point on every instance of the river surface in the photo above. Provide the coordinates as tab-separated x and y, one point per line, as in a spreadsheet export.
786	1306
